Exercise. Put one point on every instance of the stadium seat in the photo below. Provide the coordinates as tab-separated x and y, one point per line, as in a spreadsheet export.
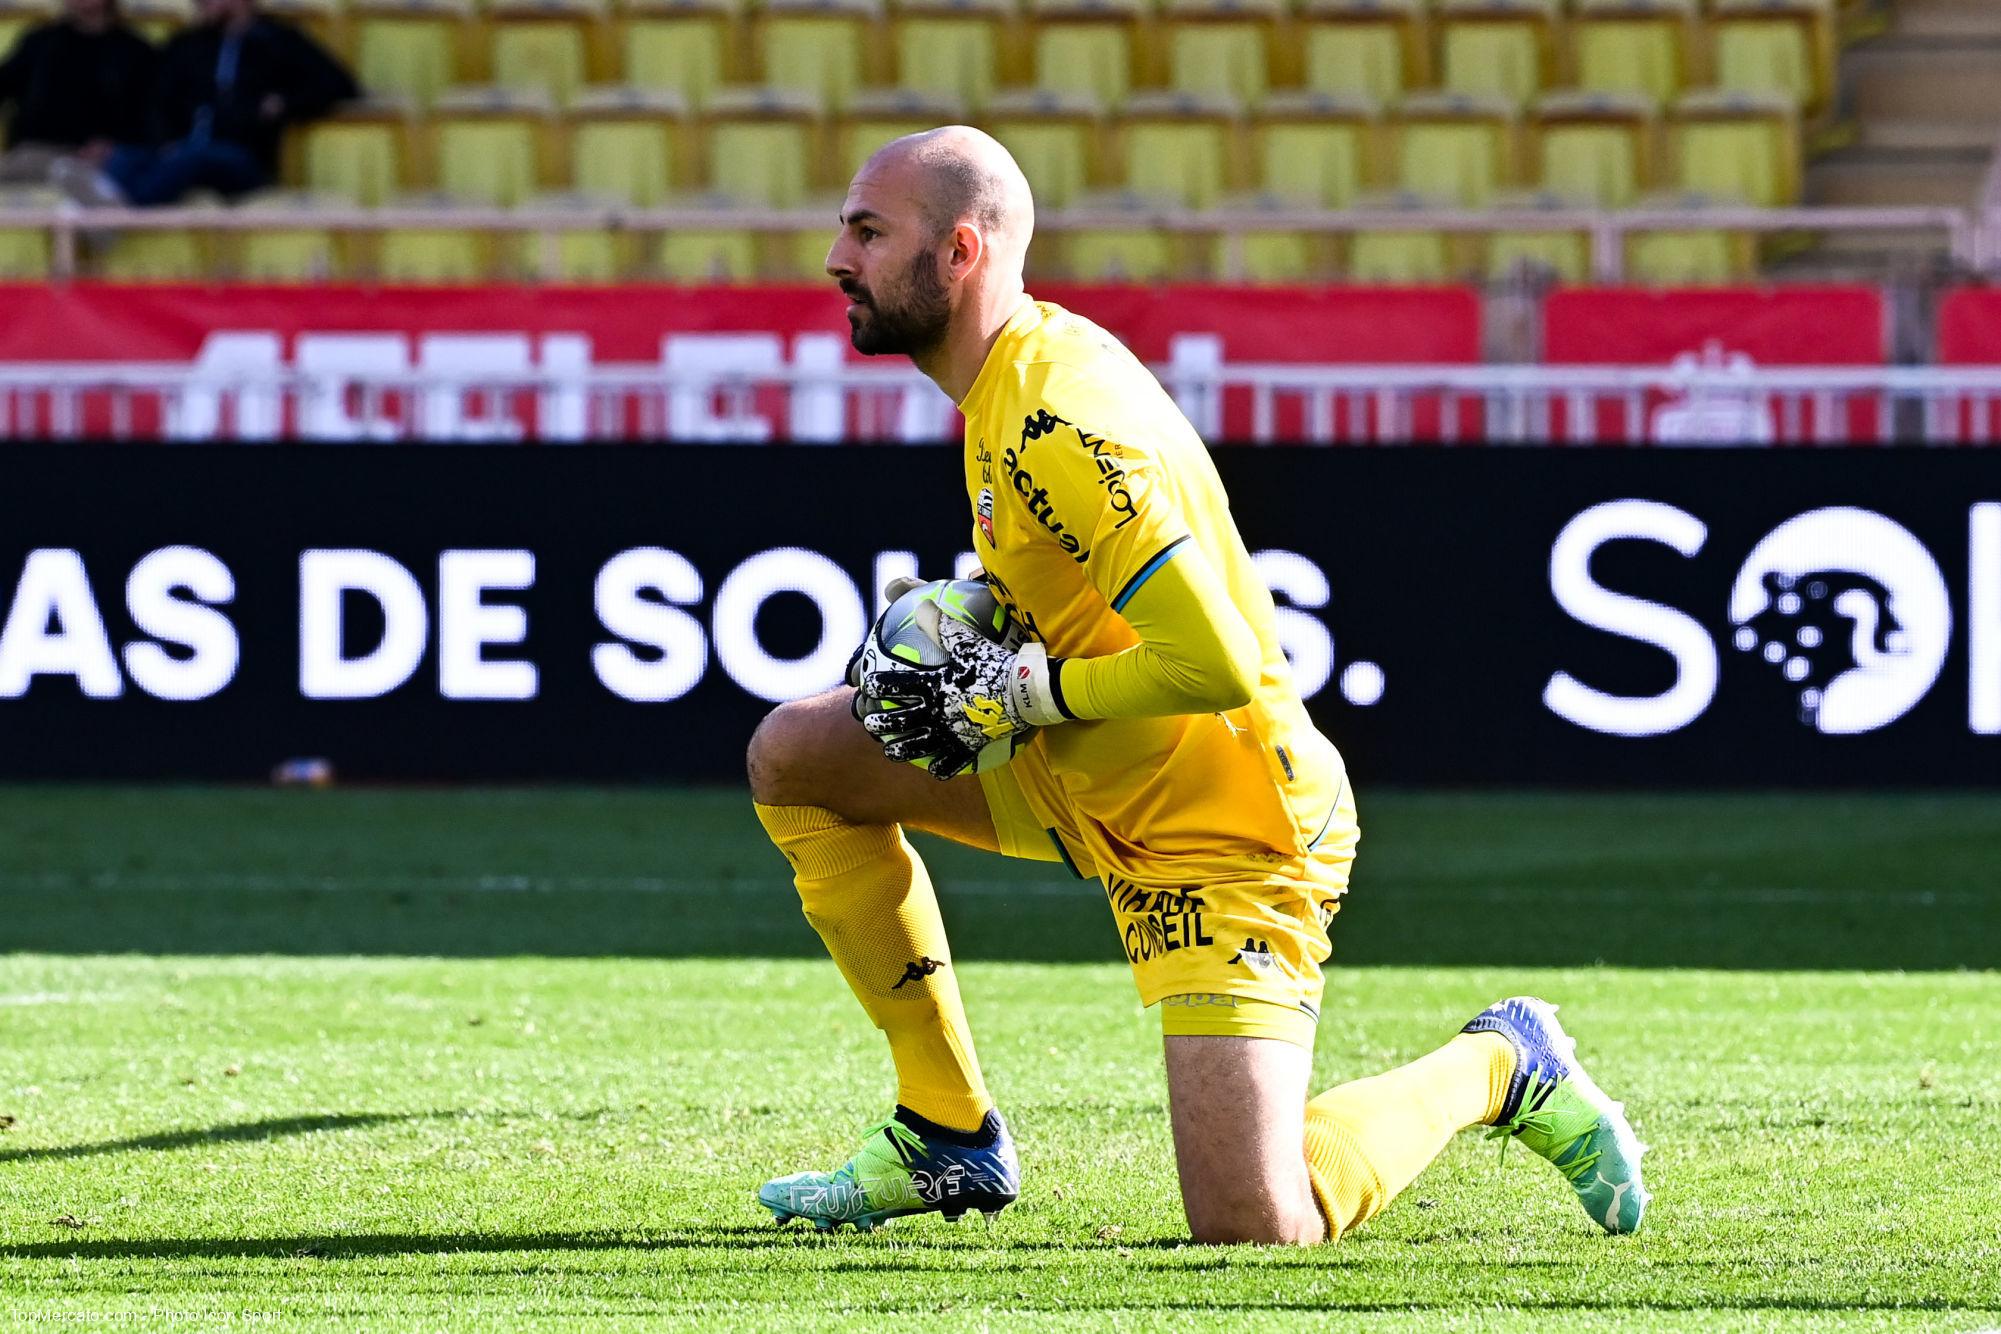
545	45
679	46
1781	47
878	115
177	256
576	249
622	144
1741	146
1087	45
1055	136
1692	256
283	254
761	145
1314	150
1558	254
433	254
1369	49
951	48
1402	257
1179	147
801	256
1267	256
1221	48
491	144
25	251
1494	48
1138	251
1455	148
1635	47
410	48
820	47
707	254
358	153
1593	147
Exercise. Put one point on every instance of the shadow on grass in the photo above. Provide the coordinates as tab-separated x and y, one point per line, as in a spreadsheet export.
240	1132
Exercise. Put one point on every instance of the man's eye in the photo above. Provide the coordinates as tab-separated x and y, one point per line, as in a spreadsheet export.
869	233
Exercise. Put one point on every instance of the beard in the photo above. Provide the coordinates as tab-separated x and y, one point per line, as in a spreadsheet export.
908	320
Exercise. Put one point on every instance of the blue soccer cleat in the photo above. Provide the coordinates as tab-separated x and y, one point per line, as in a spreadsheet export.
1555	1110
900	1171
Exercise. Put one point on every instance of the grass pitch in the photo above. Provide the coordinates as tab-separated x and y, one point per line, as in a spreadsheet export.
489	1060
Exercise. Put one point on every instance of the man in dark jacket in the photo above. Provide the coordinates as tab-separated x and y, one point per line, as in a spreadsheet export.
226	90
77	85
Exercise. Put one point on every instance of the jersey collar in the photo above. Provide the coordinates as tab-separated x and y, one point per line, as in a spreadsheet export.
1018	326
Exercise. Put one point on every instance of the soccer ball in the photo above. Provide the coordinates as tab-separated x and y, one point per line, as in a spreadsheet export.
898	641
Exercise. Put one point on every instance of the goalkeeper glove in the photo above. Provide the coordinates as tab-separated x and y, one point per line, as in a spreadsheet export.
984	693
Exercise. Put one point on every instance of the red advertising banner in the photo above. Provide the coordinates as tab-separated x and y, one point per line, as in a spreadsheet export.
598	356
1717	330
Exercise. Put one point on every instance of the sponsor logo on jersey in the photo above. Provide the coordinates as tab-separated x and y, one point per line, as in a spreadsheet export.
1156	921
1014	462
984	513
1256	955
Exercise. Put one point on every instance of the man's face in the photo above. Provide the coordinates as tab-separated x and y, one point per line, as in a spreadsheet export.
86	11
889	265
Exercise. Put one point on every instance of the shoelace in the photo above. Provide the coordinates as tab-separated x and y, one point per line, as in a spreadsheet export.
1543	1122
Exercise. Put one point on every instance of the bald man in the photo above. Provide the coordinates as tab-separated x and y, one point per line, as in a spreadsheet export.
1171	759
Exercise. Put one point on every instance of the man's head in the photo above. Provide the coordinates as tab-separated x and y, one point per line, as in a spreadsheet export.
90	15
225	12
932	222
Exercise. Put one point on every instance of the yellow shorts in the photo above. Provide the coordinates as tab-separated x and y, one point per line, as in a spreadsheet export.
1234	948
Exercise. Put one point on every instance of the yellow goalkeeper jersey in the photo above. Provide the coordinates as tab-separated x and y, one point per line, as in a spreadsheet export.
1086	481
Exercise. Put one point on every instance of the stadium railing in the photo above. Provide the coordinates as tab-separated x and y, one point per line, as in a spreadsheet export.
1973	236
1694	401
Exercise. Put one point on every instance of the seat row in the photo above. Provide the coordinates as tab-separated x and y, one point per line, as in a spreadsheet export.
563	239
754	147
969	49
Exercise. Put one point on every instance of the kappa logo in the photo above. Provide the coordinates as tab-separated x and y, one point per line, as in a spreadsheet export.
983	512
918	971
1852	610
1256	955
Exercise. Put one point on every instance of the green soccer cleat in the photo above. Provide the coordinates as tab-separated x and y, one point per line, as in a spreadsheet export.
1555	1109
902	1171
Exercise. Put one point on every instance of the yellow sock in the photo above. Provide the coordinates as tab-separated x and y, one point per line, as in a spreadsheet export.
867	894
1367	1140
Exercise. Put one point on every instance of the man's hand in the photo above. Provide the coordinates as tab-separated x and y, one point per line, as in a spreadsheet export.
946	715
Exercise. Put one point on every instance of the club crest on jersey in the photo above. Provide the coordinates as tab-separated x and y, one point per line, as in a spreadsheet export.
984	513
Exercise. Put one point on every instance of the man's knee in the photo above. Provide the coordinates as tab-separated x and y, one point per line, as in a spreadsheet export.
1263	1214
774	758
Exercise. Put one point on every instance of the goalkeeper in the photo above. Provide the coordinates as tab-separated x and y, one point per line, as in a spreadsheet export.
1174	763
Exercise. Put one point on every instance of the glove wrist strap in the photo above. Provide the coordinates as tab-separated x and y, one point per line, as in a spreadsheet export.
1033	694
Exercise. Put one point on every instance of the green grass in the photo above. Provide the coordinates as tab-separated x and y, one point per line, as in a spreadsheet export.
487	1060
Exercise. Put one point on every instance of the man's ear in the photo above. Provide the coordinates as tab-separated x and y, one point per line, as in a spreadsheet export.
968	248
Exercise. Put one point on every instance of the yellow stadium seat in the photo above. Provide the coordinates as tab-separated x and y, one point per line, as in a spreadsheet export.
1455	148
545	45
1690	258
1563	255
1594	148
1180	147
1781	47
410	48
820	46
25	251
951	48
163	256
1372	49
1121	254
761	145
284	254
1494	48
679	46
622	144
1055	136
1221	48
1086	44
801	256
878	115
358	153
1636	47
1314	150
1241	254
437	254
1738	146
577	248
707	254
1400	257
491	144
325	21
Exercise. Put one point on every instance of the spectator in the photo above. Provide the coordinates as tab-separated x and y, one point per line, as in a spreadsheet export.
227	87
78	85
